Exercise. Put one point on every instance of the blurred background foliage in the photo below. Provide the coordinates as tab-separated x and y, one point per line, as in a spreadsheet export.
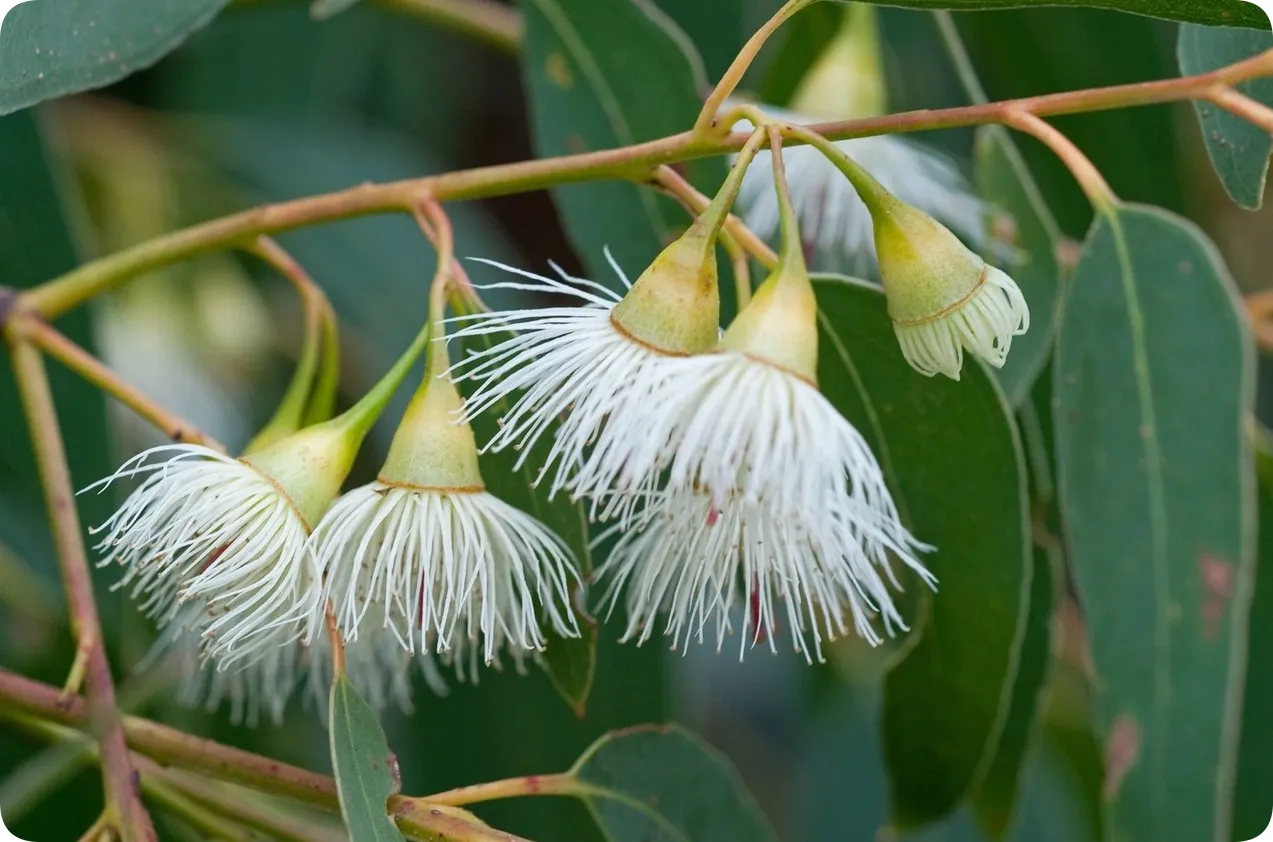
267	104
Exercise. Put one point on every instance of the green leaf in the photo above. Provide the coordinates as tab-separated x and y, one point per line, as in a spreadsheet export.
607	73
37	243
1253	797
663	784
995	802
571	662
1021	220
366	770
1154	382
1239	150
951	455
53	47
1210	12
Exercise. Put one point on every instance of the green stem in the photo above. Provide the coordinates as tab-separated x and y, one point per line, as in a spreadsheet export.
868	188
293	408
323	401
714	217
791	262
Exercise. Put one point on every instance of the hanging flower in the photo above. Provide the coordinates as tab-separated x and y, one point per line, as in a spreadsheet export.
770	492
428	554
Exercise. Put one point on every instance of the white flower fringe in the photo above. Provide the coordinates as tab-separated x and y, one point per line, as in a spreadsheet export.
984	324
442	571
206	528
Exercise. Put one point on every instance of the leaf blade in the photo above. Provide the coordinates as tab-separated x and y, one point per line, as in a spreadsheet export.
920	430
364	767
663	784
51	48
1154	384
605	73
1239	151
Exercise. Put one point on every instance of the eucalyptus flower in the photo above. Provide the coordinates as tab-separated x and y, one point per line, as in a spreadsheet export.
430	558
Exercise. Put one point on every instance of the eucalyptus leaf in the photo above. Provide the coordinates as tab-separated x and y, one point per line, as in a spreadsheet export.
1023	227
663	784
607	73
49	48
1154	382
366	770
951	455
1253	796
995	804
1210	12
1239	150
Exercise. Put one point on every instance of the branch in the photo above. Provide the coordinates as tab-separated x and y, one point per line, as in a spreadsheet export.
168	746
1094	186
631	163
122	802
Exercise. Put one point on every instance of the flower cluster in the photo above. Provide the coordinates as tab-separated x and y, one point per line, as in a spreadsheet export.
737	500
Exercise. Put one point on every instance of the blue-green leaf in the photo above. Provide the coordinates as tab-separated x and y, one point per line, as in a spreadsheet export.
366	770
1253	798
53	47
1239	150
663	784
954	464
607	73
1154	385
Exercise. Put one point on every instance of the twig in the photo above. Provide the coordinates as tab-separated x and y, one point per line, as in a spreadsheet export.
122	801
674	183
633	163
1243	106
561	784
53	342
417	818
